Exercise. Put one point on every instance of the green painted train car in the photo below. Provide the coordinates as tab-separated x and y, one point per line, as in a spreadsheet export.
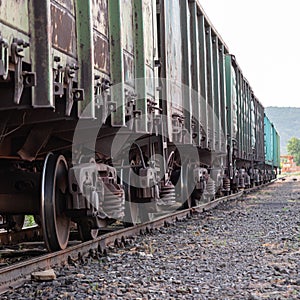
271	142
117	110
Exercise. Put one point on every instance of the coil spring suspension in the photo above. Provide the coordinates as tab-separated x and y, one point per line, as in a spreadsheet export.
211	187
256	176
226	184
168	194
113	204
247	180
241	182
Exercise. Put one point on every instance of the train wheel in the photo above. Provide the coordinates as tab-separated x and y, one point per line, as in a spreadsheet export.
55	222
131	208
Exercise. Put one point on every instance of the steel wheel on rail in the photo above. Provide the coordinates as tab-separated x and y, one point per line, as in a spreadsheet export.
54	197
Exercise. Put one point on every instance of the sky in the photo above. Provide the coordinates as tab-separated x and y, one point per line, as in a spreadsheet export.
264	36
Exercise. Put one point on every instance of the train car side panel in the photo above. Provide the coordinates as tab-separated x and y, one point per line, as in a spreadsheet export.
276	149
269	144
259	132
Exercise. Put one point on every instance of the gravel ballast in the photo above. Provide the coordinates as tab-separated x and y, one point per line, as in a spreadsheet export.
246	249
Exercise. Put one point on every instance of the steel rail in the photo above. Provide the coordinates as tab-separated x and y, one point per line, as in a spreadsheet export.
17	274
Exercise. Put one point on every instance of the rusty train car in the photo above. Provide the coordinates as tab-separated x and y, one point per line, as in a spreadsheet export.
117	110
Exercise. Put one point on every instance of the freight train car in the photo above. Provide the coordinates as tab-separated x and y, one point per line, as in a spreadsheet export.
252	139
116	110
272	147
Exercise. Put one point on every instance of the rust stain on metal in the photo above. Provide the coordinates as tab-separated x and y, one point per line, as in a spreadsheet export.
100	16
68	4
148	29
15	13
101	52
128	69
127	25
63	30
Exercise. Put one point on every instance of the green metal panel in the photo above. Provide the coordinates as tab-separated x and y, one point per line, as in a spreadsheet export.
243	122
250	152
173	40
101	37
239	112
140	64
247	117
276	147
253	123
223	117
229	84
195	69
150	45
268	141
128	43
15	14
40	29
243	129
85	46
278	150
203	77
210	90
260	131
15	23
162	52
230	97
186	75
248	111
117	64
216	97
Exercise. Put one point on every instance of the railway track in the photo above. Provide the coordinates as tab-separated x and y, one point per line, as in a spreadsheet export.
18	273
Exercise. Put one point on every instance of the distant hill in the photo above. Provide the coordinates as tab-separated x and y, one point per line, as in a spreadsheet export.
287	123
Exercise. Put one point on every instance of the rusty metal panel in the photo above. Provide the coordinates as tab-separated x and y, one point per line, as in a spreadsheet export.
15	13
101	53
173	45
117	64
63	29
149	46
150	81
128	40
41	57
100	16
101	31
185	23
129	71
148	31
216	87
195	72
203	79
67	4
14	23
210	89
127	25
223	117
85	44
